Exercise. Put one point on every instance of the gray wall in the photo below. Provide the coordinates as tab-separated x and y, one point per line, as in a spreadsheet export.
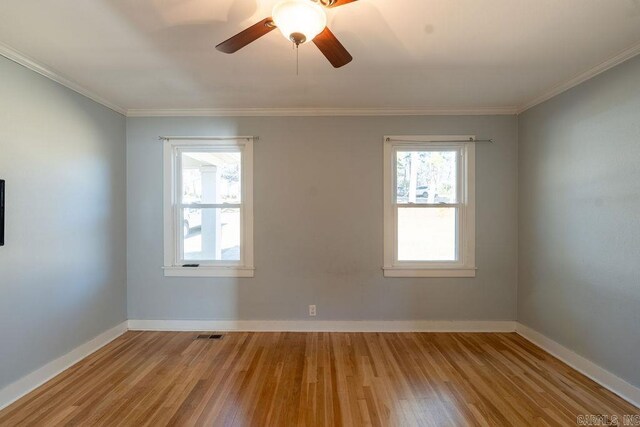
63	268
579	274
318	224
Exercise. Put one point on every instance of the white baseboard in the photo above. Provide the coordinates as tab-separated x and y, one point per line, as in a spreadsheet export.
325	325
24	385
615	384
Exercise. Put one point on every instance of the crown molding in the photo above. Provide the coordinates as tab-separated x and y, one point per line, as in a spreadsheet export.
33	65
582	77
305	112
18	57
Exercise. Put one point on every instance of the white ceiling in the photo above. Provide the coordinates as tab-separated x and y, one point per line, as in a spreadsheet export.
457	54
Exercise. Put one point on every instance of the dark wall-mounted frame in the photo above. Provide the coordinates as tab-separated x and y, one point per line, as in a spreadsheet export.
2	199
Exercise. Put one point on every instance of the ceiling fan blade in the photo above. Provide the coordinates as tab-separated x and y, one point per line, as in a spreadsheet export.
332	48
247	36
341	3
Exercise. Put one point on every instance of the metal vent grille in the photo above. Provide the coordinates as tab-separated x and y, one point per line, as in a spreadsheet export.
209	337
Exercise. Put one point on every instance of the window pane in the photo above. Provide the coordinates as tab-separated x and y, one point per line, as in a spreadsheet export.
426	176
211	234
427	234
211	177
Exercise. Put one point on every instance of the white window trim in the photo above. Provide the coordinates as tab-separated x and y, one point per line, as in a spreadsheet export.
466	266
171	242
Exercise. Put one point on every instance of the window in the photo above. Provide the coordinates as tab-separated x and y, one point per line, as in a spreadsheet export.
208	207
429	195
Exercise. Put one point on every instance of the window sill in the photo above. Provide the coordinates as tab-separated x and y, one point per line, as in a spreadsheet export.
429	272
208	271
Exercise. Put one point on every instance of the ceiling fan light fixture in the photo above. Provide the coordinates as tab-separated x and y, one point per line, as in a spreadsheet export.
299	21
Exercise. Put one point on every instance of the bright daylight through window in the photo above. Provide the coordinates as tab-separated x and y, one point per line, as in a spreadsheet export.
208	208
429	206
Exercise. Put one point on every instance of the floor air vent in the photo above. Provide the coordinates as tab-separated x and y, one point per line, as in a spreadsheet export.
209	337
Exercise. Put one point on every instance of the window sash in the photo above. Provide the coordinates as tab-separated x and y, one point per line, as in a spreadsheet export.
179	238
433	149
227	148
408	263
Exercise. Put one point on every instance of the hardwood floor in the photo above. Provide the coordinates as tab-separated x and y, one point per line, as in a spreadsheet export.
316	379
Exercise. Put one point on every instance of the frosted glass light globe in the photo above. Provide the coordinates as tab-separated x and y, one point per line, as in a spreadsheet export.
299	17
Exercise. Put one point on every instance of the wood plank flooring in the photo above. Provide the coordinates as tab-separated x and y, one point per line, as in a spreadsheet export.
316	379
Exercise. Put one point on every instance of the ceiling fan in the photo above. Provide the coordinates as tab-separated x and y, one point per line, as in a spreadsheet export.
300	21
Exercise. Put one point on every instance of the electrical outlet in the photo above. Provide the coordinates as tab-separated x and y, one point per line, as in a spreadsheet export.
312	310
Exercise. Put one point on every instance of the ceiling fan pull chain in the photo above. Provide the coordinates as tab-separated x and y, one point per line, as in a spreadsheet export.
297	60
